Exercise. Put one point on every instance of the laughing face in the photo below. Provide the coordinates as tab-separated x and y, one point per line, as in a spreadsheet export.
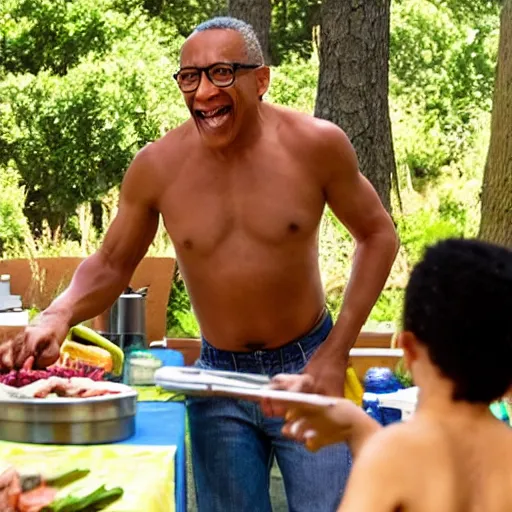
229	87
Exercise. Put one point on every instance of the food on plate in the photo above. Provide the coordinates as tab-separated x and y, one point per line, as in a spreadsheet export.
36	499
20	378
85	354
37	493
75	387
96	500
86	346
72	352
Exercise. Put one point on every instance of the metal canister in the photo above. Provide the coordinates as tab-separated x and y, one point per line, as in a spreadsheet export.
124	323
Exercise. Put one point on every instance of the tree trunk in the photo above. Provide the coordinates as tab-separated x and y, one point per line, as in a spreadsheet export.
258	13
496	223
353	83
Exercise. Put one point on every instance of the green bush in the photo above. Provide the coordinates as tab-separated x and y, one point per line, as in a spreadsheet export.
72	137
13	224
427	226
293	84
441	78
181	322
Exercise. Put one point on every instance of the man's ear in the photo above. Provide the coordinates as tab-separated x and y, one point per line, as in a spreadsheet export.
262	80
409	344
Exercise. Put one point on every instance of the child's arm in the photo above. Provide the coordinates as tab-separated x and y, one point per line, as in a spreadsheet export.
317	427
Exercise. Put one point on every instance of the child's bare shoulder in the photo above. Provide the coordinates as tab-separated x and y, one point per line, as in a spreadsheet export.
394	459
396	449
498	440
411	436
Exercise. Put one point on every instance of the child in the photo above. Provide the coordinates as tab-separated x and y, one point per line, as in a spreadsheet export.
453	455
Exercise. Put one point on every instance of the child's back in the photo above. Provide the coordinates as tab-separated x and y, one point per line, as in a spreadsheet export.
451	463
453	455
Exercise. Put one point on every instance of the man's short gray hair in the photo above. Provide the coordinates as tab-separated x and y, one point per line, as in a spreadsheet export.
252	45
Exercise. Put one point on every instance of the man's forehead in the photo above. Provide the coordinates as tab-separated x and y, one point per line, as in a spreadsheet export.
214	45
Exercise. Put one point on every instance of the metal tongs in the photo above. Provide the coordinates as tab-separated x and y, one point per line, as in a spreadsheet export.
196	381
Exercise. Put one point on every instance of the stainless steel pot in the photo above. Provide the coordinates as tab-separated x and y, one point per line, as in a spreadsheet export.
127	316
98	420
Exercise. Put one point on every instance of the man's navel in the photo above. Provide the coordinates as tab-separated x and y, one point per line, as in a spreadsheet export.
254	345
293	227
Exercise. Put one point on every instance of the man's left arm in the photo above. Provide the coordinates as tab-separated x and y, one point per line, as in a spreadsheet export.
356	204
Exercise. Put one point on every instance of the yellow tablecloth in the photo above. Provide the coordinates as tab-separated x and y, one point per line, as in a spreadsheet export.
146	473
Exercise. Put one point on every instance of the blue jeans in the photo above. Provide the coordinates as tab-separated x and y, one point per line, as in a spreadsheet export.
234	445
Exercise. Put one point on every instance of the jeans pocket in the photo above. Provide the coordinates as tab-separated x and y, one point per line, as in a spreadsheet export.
197	399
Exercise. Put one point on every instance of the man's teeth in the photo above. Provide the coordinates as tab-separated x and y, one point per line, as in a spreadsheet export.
212	113
216	121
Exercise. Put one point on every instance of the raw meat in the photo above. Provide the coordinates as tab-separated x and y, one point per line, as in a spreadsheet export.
36	499
19	378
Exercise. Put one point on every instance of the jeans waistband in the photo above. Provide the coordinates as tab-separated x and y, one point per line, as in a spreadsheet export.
290	358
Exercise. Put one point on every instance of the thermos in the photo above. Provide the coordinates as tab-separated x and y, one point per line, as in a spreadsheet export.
124	323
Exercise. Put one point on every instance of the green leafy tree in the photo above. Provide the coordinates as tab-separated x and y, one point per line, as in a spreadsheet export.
13	225
292	30
54	35
442	56
184	15
71	137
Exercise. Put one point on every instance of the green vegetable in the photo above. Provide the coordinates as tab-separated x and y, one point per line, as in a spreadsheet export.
67	477
29	482
87	336
96	500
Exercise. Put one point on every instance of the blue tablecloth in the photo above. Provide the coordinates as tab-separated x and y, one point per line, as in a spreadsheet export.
162	424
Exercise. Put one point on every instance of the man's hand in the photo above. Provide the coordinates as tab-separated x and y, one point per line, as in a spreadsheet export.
39	344
328	373
322	375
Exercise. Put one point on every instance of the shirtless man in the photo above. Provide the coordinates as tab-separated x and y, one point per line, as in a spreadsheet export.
453	455
241	187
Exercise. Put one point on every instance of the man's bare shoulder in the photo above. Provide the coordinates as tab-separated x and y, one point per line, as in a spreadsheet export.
163	156
175	144
317	139
155	164
309	127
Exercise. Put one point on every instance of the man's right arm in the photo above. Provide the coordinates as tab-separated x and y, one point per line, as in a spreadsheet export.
100	278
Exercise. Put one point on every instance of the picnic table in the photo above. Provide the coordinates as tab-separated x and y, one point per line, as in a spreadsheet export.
150	466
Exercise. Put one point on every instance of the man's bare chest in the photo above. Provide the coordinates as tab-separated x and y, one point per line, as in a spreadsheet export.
268	204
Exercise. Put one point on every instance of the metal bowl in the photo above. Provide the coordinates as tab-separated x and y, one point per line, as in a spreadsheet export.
95	420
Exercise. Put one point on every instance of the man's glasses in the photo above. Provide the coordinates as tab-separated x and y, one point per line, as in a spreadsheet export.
220	74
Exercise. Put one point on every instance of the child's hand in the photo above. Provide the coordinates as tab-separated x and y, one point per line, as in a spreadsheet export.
317	427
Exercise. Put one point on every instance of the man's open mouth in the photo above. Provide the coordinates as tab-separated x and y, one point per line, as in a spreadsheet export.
216	117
